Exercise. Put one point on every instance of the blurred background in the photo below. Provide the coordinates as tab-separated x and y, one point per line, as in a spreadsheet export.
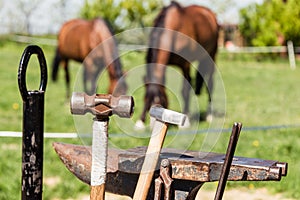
259	46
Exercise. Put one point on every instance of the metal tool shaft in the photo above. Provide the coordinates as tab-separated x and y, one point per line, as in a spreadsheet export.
32	147
228	160
33	127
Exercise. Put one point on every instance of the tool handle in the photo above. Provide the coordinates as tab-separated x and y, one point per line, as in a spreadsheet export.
97	192
99	159
151	160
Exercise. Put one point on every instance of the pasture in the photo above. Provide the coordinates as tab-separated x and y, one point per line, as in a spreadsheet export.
261	94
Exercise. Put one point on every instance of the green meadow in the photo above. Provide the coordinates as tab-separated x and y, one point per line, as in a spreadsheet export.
262	94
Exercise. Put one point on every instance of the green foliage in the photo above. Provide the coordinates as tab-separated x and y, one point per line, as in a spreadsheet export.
261	23
265	24
122	15
101	8
248	27
291	26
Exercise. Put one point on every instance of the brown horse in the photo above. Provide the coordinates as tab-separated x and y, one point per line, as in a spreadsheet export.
180	36
76	40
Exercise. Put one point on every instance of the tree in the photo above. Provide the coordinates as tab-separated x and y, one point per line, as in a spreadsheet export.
262	24
268	23
291	24
27	8
124	14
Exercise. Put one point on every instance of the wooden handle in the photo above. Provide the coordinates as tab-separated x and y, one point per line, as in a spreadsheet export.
97	192
99	159
150	162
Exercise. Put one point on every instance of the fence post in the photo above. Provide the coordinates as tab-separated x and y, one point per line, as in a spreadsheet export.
291	53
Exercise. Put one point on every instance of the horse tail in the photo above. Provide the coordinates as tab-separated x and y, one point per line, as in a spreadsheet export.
55	65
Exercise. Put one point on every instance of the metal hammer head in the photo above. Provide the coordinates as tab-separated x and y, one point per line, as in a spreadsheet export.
167	116
102	105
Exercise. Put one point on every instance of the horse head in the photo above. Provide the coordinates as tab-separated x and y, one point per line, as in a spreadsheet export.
155	94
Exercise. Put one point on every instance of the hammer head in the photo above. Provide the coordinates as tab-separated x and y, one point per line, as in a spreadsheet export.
167	116
123	106
102	105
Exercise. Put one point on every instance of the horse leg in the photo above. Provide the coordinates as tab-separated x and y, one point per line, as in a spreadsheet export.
140	124
186	87
210	87
88	65
146	108
67	76
199	83
206	69
93	78
55	64
92	66
205	74
86	80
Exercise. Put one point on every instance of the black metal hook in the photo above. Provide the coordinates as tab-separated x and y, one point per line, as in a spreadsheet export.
33	127
30	50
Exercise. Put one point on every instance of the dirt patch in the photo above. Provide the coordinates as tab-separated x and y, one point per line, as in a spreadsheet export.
241	193
232	194
51	181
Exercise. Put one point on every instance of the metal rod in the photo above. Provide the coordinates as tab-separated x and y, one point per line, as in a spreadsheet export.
33	127
236	129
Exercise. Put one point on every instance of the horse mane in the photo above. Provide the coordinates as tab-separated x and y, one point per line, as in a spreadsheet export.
108	24
155	33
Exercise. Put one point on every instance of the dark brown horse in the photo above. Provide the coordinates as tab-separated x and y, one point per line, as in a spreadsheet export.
181	35
76	40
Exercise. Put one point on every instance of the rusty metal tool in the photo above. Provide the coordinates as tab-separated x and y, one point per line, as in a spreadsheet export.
236	129
102	106
33	126
164	179
162	117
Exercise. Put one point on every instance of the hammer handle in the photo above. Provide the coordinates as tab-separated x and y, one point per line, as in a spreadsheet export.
97	192
99	159
150	162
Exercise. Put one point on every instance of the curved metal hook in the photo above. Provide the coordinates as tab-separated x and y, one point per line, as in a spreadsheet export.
30	50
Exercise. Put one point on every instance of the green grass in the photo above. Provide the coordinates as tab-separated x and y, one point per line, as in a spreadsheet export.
257	94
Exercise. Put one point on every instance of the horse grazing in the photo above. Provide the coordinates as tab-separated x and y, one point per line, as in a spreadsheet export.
180	36
76	40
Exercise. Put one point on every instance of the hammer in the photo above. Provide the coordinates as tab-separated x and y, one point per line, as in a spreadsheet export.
102	106
162	117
